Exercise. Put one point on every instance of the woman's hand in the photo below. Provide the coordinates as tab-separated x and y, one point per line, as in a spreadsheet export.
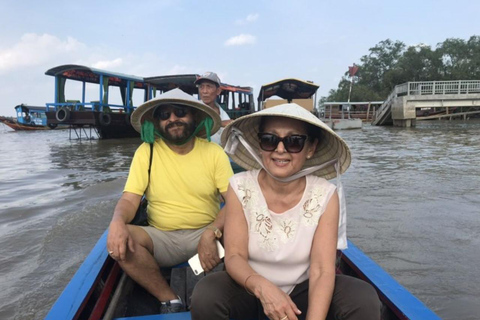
118	239
277	305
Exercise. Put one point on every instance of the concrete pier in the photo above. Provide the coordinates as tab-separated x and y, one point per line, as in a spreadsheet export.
416	101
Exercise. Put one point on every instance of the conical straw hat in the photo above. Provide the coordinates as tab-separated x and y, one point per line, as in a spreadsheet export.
176	96
330	145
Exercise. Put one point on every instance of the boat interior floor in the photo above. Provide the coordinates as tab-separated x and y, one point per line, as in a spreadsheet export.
133	300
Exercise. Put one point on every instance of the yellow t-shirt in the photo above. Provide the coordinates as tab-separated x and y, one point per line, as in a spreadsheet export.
183	190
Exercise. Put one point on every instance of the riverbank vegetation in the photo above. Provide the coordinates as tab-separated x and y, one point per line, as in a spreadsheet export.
390	63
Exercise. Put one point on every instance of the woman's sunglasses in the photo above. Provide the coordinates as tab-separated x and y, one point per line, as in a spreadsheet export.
165	114
293	143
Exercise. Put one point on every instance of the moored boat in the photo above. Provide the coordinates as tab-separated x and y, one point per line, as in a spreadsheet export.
289	90
98	112
108	111
28	118
302	93
338	117
363	110
343	124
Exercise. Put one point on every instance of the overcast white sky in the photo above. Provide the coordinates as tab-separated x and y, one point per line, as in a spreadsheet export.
247	43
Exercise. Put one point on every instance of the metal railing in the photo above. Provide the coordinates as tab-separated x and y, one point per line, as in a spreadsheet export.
89	106
442	87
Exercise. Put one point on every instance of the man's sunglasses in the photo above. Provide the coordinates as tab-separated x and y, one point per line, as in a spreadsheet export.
293	143
165	114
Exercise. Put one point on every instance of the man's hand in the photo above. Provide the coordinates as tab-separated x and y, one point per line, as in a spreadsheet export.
207	251
118	239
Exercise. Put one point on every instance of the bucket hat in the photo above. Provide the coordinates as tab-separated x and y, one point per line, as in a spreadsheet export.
331	150
206	118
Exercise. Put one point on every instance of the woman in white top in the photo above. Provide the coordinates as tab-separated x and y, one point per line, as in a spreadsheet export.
284	224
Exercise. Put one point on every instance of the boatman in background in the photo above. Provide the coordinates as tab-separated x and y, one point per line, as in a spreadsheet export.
182	188
209	89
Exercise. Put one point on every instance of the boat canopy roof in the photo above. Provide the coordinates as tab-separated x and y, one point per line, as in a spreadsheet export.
186	82
92	75
288	89
228	87
30	108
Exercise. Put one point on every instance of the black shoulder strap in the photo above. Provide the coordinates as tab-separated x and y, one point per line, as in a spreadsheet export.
150	165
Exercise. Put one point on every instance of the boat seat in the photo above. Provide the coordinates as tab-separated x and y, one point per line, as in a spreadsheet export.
183	280
106	109
95	105
130	299
72	104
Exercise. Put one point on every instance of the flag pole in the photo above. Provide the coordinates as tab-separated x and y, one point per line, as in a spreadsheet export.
351	71
349	93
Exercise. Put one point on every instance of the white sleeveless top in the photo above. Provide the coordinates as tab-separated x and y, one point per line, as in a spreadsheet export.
280	243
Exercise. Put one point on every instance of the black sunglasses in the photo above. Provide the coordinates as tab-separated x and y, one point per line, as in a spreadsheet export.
165	114
293	143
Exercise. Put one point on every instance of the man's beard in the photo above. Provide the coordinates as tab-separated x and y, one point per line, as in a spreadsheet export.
178	136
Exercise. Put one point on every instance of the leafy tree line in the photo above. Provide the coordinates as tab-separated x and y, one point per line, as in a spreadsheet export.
391	63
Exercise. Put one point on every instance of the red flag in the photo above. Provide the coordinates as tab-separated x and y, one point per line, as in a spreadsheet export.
352	70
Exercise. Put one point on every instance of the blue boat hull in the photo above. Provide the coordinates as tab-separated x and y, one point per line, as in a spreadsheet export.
82	298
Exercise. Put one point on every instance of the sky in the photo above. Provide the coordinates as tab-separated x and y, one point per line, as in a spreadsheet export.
247	43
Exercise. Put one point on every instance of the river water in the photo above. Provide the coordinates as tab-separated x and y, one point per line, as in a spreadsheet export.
413	199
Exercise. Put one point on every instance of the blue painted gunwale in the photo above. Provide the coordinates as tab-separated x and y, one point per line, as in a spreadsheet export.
80	285
400	298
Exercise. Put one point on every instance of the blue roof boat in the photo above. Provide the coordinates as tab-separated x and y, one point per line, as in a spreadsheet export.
105	118
28	118
98	113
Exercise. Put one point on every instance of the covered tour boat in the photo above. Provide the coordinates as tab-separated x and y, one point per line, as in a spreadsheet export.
91	110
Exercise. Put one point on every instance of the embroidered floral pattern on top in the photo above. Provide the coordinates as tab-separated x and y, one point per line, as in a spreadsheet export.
245	192
263	223
288	229
265	227
274	229
312	207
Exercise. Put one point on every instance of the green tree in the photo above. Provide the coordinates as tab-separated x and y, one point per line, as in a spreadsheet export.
454	59
390	63
374	66
418	63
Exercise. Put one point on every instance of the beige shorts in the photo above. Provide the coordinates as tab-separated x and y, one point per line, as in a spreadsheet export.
173	247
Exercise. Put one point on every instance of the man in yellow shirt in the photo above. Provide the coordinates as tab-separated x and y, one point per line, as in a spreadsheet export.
187	176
